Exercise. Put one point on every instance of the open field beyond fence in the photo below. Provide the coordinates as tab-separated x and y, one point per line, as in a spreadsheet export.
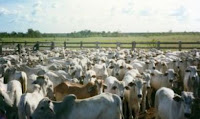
177	42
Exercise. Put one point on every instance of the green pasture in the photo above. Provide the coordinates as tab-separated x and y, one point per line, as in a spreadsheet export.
167	38
164	38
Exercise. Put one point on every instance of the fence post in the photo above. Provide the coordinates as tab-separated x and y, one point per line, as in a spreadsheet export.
36	46
133	45
52	45
118	44
65	45
81	45
180	45
158	45
1	51
97	45
25	43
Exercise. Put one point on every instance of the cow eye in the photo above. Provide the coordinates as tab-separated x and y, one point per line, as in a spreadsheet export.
72	68
111	67
114	87
41	108
93	76
103	61
187	70
166	74
121	67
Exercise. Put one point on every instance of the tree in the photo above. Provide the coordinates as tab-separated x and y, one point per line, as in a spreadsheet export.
30	33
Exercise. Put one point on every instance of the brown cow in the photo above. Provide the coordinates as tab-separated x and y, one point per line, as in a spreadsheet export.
81	91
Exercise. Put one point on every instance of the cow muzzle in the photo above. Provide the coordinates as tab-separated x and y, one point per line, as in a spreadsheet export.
187	115
139	96
122	98
171	80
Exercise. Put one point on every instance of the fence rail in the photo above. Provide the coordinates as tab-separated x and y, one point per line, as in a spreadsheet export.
130	45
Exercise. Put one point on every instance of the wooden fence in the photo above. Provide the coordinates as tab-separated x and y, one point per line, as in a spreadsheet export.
129	45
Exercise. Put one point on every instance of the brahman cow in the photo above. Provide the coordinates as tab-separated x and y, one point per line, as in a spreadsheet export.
12	74
114	86
133	96
169	105
192	80
103	106
10	97
29	101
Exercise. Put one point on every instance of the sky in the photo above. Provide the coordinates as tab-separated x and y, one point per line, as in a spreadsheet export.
65	16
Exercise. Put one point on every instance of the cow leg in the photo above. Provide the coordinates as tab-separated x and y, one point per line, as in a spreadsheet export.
125	109
137	111
144	104
149	93
130	112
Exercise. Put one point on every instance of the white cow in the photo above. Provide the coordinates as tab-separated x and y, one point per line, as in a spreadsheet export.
103	106
114	86
10	97
29	101
133	96
90	76
191	79
169	105
101	71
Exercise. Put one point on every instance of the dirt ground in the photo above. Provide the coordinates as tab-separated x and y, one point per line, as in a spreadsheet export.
149	115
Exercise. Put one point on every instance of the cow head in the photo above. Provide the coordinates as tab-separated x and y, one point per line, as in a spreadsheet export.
45	109
9	73
115	87
119	69
171	75
90	76
46	86
147	78
186	100
137	86
76	71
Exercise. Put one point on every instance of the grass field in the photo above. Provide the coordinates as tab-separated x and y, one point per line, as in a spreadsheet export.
166	38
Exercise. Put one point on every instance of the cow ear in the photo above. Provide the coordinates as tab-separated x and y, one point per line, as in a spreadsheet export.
114	87
129	68
131	84
177	98
35	82
152	74
105	86
50	106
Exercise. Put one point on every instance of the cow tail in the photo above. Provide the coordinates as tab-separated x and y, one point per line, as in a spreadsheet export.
23	81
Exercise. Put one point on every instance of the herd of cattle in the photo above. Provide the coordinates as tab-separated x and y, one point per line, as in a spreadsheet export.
100	84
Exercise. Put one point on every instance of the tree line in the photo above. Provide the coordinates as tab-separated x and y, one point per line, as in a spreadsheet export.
87	33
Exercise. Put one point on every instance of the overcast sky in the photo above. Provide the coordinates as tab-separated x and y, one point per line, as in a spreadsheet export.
100	15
